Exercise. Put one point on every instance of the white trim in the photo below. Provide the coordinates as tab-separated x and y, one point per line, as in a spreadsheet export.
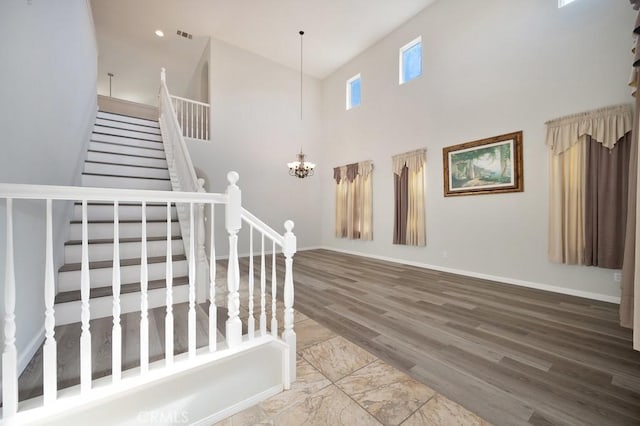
348	97
401	59
238	407
30	350
506	280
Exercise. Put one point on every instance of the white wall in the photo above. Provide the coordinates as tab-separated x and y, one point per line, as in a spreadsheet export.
489	68
256	130
198	84
136	64
47	109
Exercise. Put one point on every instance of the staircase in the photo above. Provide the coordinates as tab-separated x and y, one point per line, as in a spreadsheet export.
132	318
124	152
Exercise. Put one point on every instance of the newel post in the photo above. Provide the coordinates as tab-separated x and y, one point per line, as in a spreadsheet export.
289	248
233	223
163	74
202	273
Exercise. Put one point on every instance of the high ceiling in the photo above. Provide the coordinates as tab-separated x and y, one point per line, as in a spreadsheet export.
335	30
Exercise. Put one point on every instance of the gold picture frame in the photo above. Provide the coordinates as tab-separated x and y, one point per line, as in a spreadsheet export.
486	166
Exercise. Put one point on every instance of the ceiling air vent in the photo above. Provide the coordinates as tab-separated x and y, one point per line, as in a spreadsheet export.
184	34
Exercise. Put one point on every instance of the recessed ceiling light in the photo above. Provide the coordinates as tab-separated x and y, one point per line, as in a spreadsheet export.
159	33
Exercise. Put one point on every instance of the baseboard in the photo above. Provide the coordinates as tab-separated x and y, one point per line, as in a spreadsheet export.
506	280
30	350
240	406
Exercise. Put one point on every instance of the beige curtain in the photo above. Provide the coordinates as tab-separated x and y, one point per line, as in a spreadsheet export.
567	138
566	206
414	164
354	201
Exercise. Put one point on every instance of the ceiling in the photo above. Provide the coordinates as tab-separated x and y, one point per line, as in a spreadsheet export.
335	30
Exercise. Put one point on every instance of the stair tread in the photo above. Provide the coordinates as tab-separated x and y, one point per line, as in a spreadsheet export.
125	115
127	145
127	137
122	240
128	155
142	166
75	295
124	221
68	267
112	126
124	176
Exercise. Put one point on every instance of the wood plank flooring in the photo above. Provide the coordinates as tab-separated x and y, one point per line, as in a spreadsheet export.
510	354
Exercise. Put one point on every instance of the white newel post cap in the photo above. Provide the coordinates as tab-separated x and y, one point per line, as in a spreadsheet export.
290	240
163	74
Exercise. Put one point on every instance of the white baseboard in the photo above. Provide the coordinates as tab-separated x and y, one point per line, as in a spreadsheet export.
240	406
30	350
506	280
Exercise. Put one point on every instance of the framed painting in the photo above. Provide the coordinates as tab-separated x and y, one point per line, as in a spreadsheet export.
486	166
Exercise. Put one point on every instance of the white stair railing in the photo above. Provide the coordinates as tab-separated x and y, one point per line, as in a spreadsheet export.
193	117
120	380
183	178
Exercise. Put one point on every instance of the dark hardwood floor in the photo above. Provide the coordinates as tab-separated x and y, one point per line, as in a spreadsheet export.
510	354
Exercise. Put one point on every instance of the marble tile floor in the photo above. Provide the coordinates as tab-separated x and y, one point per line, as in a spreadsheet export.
339	383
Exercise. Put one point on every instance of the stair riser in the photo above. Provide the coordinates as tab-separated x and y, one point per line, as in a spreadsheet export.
110	130
101	307
120	170
125	159
105	212
126	141
98	231
125	119
125	149
103	277
126	126
125	183
73	253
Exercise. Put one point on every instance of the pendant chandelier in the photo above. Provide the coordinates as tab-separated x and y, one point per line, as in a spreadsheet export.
301	168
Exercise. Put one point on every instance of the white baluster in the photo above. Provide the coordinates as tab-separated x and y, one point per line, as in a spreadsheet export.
197	121
9	355
289	336
85	289
233	224
263	290
206	126
144	297
182	123
213	309
202	270
168	320
192	284
251	322
49	350
274	288
116	344
191	113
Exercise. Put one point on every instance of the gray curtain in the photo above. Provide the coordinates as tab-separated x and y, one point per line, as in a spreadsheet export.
606	198
401	185
629	262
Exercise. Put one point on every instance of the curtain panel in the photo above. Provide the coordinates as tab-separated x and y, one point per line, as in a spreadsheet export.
589	165
409	203
630	290
354	201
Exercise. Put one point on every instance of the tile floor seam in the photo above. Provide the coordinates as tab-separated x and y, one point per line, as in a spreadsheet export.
359	405
419	408
357	369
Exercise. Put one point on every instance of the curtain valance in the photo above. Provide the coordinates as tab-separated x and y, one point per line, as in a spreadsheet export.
414	160
605	125
350	171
